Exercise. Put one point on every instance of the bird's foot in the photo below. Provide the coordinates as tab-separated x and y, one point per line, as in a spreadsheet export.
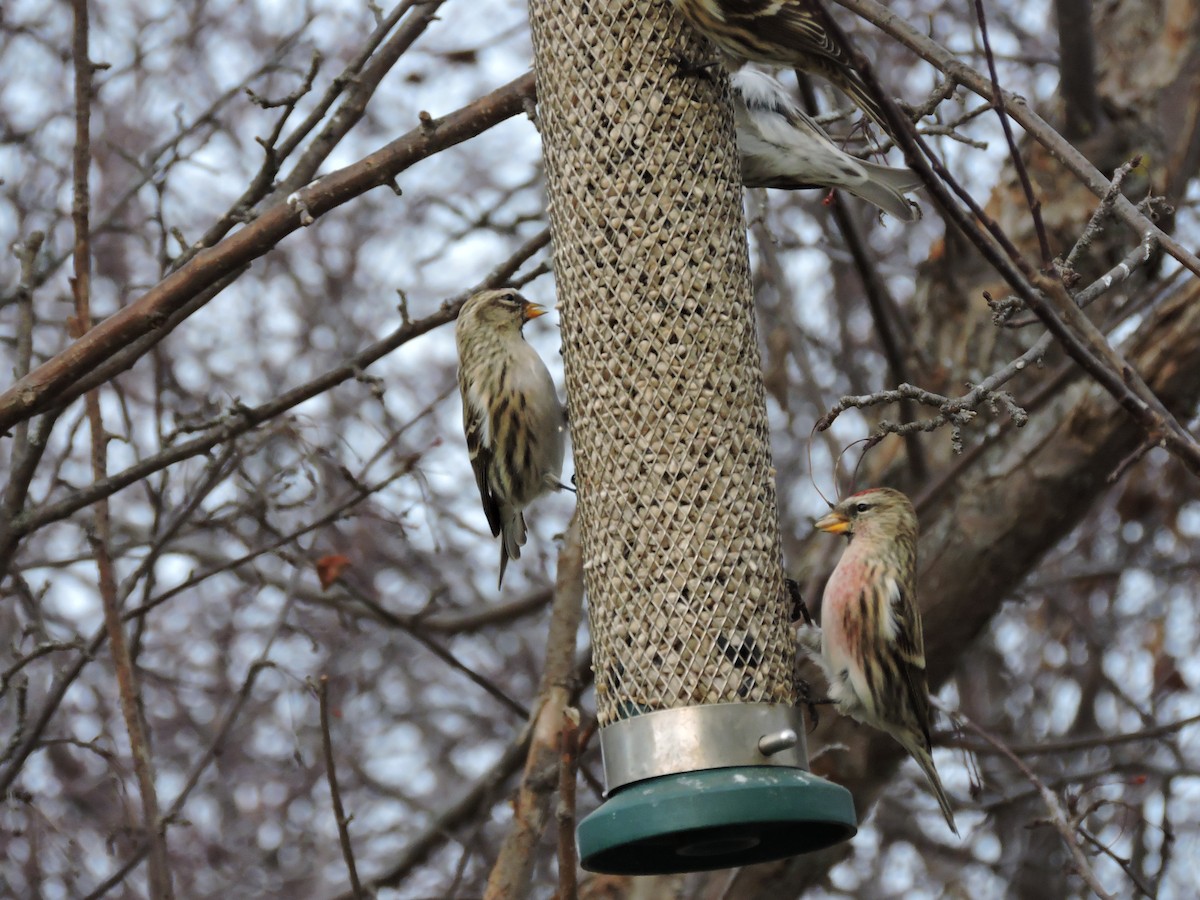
811	705
800	611
687	67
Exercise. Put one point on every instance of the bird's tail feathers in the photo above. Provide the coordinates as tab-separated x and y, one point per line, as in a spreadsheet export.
917	750
886	187
512	539
503	565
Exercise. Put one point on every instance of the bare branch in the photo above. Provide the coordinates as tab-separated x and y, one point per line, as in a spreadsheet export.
1074	745
511	873
1061	149
101	537
568	766
1066	828
335	795
46	383
1031	200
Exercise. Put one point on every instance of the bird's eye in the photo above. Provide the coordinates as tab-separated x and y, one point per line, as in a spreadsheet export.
861	507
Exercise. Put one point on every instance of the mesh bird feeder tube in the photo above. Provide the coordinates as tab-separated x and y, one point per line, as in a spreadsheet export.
703	746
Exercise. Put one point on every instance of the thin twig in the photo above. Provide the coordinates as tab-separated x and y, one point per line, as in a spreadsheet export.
953	412
1103	212
100	537
1058	816
1060	148
1088	743
1031	200
335	795
436	649
1121	861
41	388
44	649
1118	274
25	452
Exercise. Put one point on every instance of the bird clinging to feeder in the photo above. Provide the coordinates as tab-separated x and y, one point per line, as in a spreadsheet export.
782	33
514	422
781	146
871	646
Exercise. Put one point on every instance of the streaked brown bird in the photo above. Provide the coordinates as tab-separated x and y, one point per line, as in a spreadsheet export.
514	422
789	33
870	642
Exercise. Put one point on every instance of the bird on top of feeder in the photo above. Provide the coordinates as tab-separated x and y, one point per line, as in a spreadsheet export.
782	147
514	422
782	33
870	643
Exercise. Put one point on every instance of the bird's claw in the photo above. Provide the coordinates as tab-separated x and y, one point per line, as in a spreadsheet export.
799	607
811	705
686	67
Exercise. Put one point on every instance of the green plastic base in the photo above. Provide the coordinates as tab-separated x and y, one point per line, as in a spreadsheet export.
715	819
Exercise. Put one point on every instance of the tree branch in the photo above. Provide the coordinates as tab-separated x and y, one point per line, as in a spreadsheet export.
1061	149
44	385
514	865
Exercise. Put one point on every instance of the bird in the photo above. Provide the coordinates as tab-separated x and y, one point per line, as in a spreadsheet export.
514	423
782	33
782	147
871	647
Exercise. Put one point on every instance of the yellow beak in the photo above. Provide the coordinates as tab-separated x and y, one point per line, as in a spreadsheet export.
834	523
533	310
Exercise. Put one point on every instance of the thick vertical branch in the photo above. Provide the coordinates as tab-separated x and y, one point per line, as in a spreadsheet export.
101	534
568	774
514	865
1077	67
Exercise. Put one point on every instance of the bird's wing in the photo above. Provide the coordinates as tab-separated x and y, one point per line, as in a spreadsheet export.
783	147
909	644
533	389
477	425
800	24
773	113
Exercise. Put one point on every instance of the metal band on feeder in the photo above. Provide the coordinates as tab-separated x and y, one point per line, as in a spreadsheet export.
703	746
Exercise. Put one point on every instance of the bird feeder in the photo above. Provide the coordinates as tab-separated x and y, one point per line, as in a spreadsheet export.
703	745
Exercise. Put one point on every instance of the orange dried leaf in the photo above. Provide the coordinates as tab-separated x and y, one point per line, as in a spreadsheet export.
330	568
